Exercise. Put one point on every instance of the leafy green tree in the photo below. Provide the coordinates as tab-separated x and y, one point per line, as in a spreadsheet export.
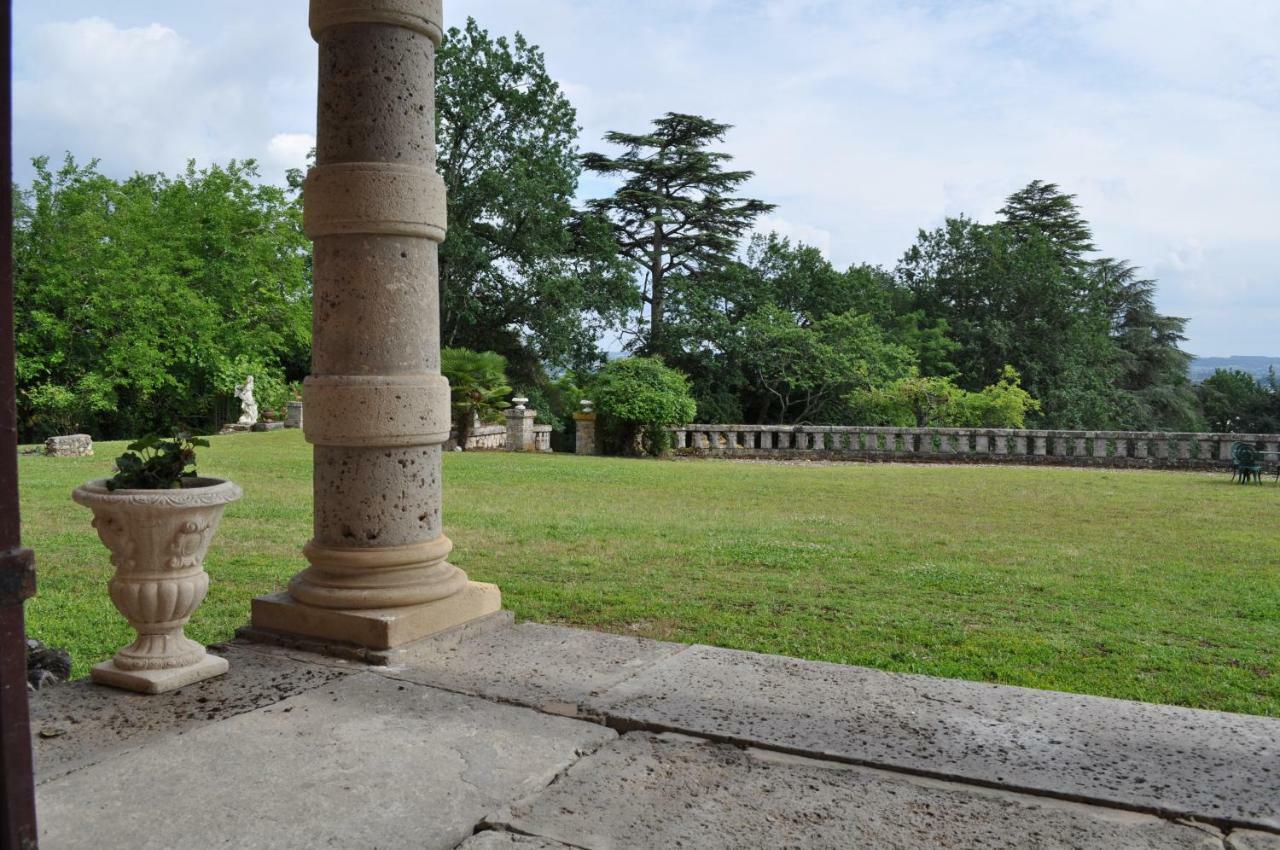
796	280
913	402
920	402
1004	404
1010	297
1043	209
521	273
139	303
804	374
477	385
674	217
1234	402
556	400
801	281
638	398
1152	366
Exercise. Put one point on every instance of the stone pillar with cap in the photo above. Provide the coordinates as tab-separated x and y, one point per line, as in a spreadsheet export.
520	426
377	406
584	422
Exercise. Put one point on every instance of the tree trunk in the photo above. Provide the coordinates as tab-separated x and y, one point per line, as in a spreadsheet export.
658	295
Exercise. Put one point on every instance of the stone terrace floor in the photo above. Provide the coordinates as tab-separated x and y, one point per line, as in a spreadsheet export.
530	736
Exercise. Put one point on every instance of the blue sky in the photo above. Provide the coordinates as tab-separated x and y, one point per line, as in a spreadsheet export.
863	121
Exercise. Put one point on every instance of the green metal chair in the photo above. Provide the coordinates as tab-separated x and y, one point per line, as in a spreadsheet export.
1246	462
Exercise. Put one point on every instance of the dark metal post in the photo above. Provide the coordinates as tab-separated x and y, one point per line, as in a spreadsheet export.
17	566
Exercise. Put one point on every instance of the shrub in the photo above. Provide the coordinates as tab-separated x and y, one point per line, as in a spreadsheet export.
638	398
938	403
1004	404
54	409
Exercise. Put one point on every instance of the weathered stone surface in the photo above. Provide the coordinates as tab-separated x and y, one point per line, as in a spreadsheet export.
1202	764
546	667
79	723
584	423
376	628
1123	449
366	762
158	681
326	651
647	791
520	429
494	840
69	445
542	438
266	426
1248	839
158	540
248	404
377	405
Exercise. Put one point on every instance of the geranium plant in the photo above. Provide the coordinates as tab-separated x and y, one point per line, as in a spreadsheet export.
153	463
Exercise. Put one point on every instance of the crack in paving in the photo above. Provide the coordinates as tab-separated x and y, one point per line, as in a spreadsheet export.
624	725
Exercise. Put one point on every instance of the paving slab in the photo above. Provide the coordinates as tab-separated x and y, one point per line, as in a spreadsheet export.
647	790
1211	766
547	667
1248	839
80	723
361	762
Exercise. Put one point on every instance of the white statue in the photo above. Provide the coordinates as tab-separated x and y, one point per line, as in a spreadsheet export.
248	406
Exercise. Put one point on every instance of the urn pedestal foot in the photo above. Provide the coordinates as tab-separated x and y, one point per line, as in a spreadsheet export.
376	628
158	681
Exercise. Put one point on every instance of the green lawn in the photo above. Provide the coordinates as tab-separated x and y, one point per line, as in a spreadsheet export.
1142	585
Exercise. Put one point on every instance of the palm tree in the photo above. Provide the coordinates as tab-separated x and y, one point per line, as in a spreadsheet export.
478	384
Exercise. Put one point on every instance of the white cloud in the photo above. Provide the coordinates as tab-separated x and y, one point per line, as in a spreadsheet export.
130	85
863	119
797	232
151	94
290	150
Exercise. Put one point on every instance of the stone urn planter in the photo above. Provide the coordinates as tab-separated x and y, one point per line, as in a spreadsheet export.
158	540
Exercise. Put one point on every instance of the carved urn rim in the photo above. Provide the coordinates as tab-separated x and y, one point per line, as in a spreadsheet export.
205	491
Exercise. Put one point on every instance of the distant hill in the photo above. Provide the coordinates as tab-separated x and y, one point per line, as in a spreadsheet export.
1203	367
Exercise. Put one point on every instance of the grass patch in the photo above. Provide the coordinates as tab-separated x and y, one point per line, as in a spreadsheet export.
1155	586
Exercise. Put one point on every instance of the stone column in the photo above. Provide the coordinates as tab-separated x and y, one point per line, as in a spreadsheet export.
377	407
520	427
584	435
584	421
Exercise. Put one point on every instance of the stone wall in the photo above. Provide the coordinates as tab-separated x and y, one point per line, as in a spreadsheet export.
494	438
487	437
1142	449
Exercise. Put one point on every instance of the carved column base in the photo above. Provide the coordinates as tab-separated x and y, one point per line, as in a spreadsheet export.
158	681
386	577
375	628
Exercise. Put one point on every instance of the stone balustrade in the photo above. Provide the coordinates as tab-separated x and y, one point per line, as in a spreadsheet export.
494	438
486	437
542	438
1161	450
